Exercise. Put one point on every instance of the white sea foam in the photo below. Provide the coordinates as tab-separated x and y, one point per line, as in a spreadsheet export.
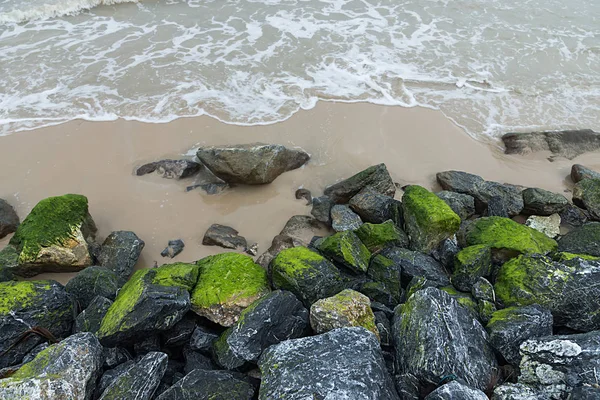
16	11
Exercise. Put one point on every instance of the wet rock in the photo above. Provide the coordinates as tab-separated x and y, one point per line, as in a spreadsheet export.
435	336
139	380
114	356
462	204
583	240
511	326
344	219
374	207
586	194
573	215
173	249
146	344
202	340
66	370
210	385
496	207
321	209
542	202
251	164
170	169
195	360
89	320
388	274
120	251
26	304
223	236
568	143
180	333
209	188
416	264
347	250
227	284
91	282
456	391
376	177
9	220
54	237
252	250
579	173
470	264
324	366
427	219
517	391
379	236
549	226
277	317
304	194
446	251
483	290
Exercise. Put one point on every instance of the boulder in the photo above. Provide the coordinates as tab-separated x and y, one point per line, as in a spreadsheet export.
345	309
517	391
579	173
388	274
446	252
374	207
223	236
54	237
586	393
456	391
321	209
384	328
496	207
92	282
570	290
251	164
344	219
196	360
510	327
302	193
180	334
378	236
483	290
568	143
462	204
573	215
464	299
202	340
376	177
27	304
408	387
427	219
549	226
326	367
542	202
9	220
435	337
66	370
347	250
170	169
416	264
120	252
89	320
210	385
227	284
586	194
173	249
582	240
470	264
272	319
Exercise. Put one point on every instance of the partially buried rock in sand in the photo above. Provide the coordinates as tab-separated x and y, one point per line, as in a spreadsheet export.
568	144
8	219
171	169
174	248
223	236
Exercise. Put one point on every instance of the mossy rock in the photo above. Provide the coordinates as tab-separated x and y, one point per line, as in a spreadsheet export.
427	219
464	299
346	249
388	275
379	236
586	194
485	309
178	274
227	284
566	256
53	237
507	238
470	264
583	240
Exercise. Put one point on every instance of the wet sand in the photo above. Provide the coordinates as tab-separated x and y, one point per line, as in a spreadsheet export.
97	159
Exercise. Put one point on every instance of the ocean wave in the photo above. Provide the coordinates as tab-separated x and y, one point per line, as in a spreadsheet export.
27	11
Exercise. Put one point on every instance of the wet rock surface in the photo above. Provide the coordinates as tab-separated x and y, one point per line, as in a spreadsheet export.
579	173
91	282
120	252
568	144
9	220
210	385
170	169
223	236
173	249
376	177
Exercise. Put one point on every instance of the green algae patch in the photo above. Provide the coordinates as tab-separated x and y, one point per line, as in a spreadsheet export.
346	249
181	275
379	236
427	218
296	261
470	264
15	295
41	361
462	298
565	256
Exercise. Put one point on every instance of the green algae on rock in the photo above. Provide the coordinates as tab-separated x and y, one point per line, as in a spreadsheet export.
379	236
562	256
464	299
346	249
388	274
582	240
470	264
227	284
427	219
586	194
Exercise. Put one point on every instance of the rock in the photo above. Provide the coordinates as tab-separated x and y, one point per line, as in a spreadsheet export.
173	249
344	219
277	317
435	336
568	143
306	274
6	275
114	356
470	264
223	236
346	309
579	173
146	344
139	380
374	207
54	237
92	282
251	164
462	204
583	240
384	328
347	250
557	364
542	202
170	169
209	188
195	360
89	320
586	194
321	209
210	385
573	215
416	264
202	340
570	290
496	207
511	326
456	391
427	219
388	274
506	237
27	304
180	334
304	194
549	226
408	387
154	299
252	250
376	177
446	251
378	236
517	391
586	393
9	220
120	252
464	299
66	370
227	284
483	290
486	310
326	367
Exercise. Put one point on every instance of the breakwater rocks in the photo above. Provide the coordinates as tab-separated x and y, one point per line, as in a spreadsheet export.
411	295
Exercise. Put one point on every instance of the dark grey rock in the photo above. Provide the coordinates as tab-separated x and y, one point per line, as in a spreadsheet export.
171	169
416	264
461	204
120	251
496	207
6	275
512	326
111	375
408	387
579	173
202	340
377	177
9	220
517	391
114	356
542	202
210	385
270	320
344	219
586	194
586	393
446	252
374	207
568	144
180	333
209	188
251	164
471	264
582	240
378	292
325	366
388	274
195	360
573	215
435	336
146	344
89	319
304	194
139	380
456	391
384	327
173	249
223	236
321	209
483	290
91	282
173	373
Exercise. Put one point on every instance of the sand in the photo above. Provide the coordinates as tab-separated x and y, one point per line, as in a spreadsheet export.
97	159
